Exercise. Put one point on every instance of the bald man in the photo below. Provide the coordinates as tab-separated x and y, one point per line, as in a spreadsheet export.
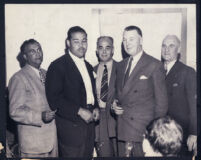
181	88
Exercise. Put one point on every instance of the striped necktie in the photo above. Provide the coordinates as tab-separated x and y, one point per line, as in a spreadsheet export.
104	85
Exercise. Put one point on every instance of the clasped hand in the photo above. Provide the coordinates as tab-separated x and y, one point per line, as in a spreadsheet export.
116	108
88	116
48	116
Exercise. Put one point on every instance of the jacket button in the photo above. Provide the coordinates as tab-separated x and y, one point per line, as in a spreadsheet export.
131	118
135	91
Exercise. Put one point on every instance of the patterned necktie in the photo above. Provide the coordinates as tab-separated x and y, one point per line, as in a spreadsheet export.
128	70
104	85
42	76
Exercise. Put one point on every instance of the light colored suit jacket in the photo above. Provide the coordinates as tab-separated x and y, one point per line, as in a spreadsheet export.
27	101
107	125
143	98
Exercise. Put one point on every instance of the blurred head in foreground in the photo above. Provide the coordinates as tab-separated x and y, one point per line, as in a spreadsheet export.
163	138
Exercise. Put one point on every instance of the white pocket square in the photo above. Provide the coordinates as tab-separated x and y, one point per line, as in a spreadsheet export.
143	77
175	84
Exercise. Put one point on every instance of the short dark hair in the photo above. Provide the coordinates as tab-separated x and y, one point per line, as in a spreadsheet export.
26	43
73	30
165	136
130	28
102	37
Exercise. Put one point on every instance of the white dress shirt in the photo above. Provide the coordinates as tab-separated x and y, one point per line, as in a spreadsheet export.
100	71
169	65
134	62
79	62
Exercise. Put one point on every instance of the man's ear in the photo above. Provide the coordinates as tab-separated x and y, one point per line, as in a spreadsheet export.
25	56
112	51
179	49
67	43
141	40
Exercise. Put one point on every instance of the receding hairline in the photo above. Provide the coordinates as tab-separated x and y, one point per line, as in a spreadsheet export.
172	37
105	38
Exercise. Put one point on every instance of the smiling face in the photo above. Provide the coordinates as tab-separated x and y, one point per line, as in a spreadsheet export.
105	49
132	42
170	48
78	44
33	54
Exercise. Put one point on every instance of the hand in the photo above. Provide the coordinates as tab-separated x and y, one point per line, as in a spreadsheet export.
85	114
101	104
96	114
117	109
48	116
192	143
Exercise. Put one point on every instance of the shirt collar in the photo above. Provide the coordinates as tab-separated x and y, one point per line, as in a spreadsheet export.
137	56
75	58
35	69
170	64
108	64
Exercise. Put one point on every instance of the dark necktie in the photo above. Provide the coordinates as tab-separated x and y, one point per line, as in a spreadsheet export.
42	76
104	85
128	70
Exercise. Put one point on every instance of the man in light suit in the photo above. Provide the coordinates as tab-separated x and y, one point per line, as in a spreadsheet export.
70	90
29	107
141	93
106	127
181	88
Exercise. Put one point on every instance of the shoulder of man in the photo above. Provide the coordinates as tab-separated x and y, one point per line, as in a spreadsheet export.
152	59
18	75
185	69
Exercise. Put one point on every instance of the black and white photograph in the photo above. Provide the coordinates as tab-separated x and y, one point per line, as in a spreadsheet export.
100	80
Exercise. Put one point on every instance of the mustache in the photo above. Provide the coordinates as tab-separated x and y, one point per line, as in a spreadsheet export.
82	48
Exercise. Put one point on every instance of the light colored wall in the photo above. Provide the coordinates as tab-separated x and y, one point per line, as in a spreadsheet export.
48	24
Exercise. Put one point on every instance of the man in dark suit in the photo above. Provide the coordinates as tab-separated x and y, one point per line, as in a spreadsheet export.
141	93
105	87
181	88
70	89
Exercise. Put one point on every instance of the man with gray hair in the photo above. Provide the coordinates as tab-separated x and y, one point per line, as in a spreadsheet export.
105	87
181	88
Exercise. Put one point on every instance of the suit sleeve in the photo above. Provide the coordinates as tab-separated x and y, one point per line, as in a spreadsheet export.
190	88
160	92
55	93
19	109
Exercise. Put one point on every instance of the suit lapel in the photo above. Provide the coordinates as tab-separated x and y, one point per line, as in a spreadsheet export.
33	77
174	70
134	74
73	70
123	70
112	79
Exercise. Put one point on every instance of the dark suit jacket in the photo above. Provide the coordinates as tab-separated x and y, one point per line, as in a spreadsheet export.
181	87
107	125
66	93
143	98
